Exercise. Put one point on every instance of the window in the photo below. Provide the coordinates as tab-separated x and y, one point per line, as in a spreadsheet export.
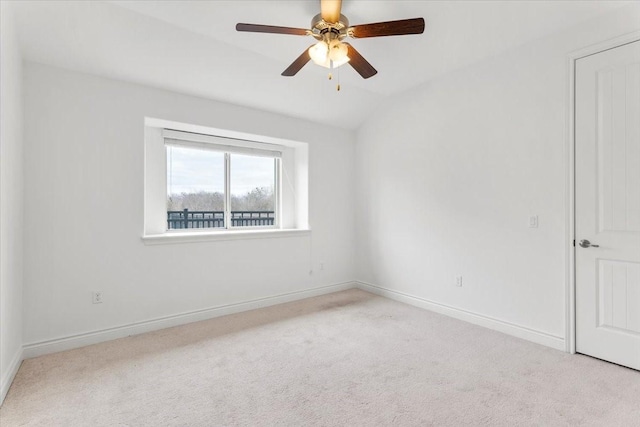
195	188
216	186
252	190
210	184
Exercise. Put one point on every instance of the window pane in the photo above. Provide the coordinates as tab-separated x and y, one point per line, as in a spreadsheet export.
195	188
253	198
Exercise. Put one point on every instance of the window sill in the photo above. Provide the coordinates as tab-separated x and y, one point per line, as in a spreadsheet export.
212	236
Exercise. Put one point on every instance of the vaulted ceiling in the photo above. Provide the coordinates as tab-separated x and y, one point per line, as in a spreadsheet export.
192	46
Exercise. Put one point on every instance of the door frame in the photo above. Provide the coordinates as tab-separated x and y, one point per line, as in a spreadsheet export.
570	235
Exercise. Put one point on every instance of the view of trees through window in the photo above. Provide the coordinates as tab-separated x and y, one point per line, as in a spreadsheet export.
258	199
196	182
252	183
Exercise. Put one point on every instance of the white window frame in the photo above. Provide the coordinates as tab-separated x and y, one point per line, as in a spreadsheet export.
228	146
293	184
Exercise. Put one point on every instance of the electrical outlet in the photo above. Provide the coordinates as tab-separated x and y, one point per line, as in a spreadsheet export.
97	297
322	266
459	281
533	221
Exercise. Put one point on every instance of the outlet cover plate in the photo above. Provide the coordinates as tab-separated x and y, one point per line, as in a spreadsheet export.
97	297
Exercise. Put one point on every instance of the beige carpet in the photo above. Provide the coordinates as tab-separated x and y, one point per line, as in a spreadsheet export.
349	358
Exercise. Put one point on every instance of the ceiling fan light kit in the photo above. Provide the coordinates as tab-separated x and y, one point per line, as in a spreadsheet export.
330	28
329	52
329	55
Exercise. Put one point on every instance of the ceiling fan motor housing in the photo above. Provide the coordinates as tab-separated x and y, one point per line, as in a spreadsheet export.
327	31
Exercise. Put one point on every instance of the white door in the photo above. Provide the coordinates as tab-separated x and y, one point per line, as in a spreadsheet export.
607	131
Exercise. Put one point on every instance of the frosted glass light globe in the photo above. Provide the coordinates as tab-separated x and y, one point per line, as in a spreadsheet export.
338	52
319	52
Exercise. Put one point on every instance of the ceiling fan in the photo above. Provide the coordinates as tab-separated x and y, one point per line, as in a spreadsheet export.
330	28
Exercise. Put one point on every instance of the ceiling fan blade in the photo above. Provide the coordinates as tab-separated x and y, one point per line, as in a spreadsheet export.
389	28
360	64
330	10
297	65
257	28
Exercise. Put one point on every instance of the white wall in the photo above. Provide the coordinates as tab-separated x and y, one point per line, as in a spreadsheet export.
84	140
448	175
11	188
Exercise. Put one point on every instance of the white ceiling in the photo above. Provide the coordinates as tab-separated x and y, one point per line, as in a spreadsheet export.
192	46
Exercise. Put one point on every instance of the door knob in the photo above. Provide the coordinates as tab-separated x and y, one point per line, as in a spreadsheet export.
585	244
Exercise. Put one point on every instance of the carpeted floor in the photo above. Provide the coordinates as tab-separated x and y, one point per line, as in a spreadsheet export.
349	359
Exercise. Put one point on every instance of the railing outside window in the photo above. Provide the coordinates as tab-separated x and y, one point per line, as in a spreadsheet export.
186	219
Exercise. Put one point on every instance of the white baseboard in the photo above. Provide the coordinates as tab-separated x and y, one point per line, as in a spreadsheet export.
10	374
36	349
509	328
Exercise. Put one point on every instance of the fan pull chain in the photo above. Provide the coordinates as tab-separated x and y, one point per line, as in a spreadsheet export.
337	74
